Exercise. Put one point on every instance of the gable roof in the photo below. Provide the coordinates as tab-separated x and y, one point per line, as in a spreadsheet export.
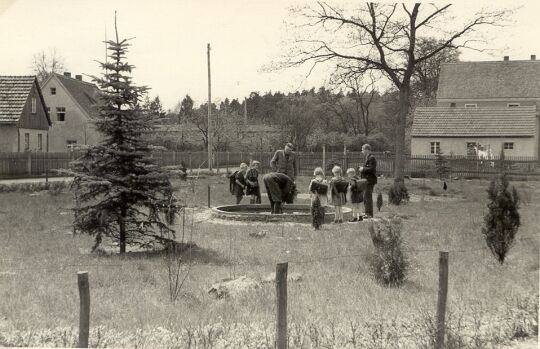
14	91
501	79
84	93
478	122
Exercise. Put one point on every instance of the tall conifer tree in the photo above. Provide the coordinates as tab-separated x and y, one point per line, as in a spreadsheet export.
121	193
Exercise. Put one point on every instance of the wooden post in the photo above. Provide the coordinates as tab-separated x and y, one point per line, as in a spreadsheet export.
281	293
29	162
344	158
190	168
227	161
208	195
441	300
84	314
324	158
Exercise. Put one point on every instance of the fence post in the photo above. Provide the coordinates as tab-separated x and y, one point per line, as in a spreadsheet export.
324	158
29	163
441	300
281	293
84	315
208	195
344	158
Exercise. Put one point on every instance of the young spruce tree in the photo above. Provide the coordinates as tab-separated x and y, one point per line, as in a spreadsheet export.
120	192
502	220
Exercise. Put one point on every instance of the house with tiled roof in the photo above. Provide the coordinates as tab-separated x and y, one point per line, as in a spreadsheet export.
24	121
485	106
72	105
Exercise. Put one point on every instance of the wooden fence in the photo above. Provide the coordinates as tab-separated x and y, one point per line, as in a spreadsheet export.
33	164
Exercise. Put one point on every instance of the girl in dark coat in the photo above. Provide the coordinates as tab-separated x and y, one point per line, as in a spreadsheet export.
252	181
356	193
240	183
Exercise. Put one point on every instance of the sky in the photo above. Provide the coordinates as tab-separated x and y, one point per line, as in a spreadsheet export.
170	40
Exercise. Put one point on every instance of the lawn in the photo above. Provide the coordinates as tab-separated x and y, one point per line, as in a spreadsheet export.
336	304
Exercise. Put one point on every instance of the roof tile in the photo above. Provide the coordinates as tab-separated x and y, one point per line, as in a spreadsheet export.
14	92
482	122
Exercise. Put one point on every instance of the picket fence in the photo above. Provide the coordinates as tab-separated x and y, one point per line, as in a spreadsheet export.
35	164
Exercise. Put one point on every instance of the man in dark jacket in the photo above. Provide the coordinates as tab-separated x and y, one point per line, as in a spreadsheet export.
369	172
284	161
280	188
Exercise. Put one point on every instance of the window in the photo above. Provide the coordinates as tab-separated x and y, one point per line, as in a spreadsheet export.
61	113
435	147
33	105
471	105
70	144
53	90
508	145
26	141
40	142
513	105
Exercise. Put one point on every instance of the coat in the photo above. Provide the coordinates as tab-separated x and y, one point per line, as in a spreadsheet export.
282	163
369	172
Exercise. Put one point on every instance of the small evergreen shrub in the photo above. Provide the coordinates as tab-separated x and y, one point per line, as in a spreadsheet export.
502	220
389	264
398	193
379	201
317	213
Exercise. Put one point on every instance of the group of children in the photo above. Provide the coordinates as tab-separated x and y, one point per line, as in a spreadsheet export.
337	192
246	182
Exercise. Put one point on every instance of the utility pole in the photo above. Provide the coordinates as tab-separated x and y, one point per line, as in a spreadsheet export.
245	111
210	131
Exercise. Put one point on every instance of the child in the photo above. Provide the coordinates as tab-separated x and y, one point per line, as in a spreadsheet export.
240	182
318	189
252	181
356	193
338	190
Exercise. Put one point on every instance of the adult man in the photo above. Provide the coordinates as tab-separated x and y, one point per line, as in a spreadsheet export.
280	188
284	161
369	172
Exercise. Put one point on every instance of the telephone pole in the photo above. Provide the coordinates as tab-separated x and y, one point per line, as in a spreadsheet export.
210	131
245	111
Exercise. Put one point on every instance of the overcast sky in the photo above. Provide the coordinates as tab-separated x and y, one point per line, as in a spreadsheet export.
169	49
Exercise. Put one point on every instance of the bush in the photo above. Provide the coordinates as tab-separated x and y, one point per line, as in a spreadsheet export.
502	219
398	193
379	201
388	264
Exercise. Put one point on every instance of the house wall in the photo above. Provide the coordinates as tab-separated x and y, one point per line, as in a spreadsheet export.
77	125
523	146
8	138
33	138
37	120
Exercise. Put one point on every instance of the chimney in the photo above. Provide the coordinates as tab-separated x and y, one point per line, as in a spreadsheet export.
67	74
506	58
78	77
533	57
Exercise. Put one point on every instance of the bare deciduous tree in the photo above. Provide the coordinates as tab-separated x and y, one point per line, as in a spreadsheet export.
384	38
45	63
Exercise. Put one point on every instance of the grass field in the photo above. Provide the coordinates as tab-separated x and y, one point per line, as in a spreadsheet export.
336	304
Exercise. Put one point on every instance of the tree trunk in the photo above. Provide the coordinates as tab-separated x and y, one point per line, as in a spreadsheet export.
399	167
122	224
